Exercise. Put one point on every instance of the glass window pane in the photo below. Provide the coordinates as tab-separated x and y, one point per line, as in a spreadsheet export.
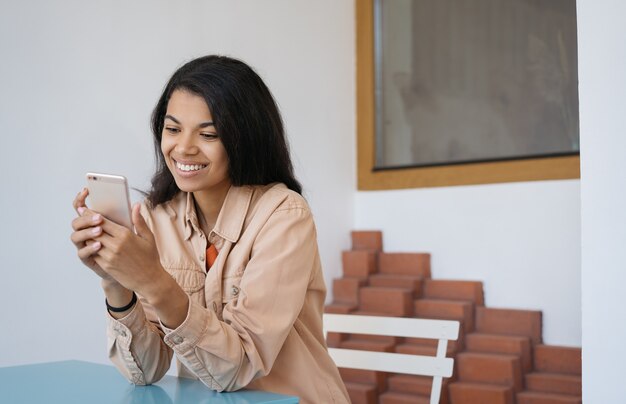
474	80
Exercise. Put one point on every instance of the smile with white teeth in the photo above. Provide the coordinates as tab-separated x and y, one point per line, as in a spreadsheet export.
189	167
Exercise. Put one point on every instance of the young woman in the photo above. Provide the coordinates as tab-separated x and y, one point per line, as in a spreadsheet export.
224	270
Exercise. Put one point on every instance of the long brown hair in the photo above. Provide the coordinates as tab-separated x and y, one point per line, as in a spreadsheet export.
245	116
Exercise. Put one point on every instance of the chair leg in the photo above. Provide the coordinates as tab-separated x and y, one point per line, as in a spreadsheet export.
435	391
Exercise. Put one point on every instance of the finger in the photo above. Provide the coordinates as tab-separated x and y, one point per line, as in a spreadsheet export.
140	224
79	200
102	263
89	250
113	228
88	219
79	238
105	255
107	241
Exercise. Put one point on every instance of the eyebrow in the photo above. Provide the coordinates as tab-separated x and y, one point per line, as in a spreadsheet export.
202	125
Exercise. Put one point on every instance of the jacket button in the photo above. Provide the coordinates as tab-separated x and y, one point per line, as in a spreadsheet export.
123	333
201	258
177	339
235	290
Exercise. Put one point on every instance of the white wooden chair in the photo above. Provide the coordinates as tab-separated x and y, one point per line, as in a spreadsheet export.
436	366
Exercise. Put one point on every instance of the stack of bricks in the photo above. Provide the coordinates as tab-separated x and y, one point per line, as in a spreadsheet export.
499	356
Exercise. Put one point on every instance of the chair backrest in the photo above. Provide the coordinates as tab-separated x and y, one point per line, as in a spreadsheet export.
436	366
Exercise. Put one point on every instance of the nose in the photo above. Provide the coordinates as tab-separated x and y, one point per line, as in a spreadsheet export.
186	144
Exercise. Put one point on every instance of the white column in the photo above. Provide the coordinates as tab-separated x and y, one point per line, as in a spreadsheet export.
602	78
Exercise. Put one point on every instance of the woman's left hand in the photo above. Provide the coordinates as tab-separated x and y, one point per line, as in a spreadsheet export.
131	259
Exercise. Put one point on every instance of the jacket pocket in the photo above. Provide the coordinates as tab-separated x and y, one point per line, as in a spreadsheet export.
190	280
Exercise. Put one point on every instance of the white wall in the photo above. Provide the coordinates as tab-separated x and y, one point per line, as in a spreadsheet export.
521	239
602	63
77	83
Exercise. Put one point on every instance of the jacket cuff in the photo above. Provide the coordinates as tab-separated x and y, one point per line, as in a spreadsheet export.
132	323
186	336
120	334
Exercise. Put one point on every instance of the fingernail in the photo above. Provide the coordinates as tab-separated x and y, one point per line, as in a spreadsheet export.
96	218
81	210
96	230
96	245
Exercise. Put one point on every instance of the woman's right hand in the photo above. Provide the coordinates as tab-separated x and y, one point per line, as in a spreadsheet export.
86	227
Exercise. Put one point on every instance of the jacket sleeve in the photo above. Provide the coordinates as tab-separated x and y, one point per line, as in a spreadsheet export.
135	342
227	355
136	347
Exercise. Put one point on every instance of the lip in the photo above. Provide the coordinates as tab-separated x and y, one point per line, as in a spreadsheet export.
188	174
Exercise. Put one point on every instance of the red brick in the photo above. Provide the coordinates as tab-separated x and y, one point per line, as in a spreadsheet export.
454	345
503	370
334	339
379	338
367	240
340	308
417	349
411	384
368	345
554	383
447	310
378	379
509	322
534	397
454	290
403	398
362	393
417	385
398	281
558	359
412	264
504	344
471	393
358	264
386	301
346	290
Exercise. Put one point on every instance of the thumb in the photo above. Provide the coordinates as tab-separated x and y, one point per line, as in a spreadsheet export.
140	224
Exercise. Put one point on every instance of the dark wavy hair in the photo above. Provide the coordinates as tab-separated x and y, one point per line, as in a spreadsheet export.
245	116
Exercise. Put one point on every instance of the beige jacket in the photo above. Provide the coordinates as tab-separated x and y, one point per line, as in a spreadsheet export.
255	320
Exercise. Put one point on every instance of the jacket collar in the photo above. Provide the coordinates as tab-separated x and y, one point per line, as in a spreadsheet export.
230	219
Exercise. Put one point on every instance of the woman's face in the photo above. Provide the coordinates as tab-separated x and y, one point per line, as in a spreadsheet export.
191	146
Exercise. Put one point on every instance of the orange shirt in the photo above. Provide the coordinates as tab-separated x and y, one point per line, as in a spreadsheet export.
211	256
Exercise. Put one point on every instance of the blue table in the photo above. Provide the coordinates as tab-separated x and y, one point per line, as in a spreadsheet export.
70	382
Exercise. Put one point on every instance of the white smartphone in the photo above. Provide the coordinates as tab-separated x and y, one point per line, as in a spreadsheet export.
108	195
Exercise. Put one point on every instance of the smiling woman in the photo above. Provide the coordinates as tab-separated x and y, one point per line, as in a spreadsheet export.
223	271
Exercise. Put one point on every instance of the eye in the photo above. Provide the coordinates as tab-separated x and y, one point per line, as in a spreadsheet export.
209	136
172	129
